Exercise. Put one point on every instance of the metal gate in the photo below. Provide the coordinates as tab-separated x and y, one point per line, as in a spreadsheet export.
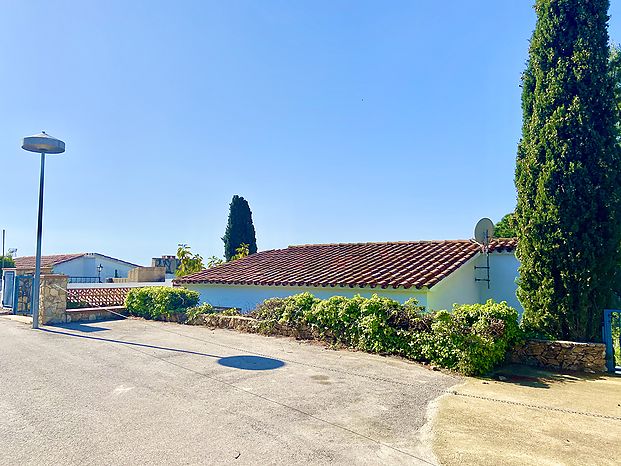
8	287
22	301
612	339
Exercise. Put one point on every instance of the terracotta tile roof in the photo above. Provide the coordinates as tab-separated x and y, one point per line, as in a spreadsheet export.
46	261
416	264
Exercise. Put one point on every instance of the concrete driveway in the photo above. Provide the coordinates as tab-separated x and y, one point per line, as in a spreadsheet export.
137	392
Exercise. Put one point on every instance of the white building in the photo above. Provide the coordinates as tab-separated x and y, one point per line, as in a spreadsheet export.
437	273
81	267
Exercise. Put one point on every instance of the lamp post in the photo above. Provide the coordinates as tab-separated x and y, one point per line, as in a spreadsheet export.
43	144
99	269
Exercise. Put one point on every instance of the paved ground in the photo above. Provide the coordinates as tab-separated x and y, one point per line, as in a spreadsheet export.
478	429
136	392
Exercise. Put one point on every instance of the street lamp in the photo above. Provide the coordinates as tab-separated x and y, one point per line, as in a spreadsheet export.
43	144
99	269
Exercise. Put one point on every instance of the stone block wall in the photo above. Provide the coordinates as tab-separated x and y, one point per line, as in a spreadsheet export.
564	355
75	315
53	299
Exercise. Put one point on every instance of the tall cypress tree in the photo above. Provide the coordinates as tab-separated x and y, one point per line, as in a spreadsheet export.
567	173
239	229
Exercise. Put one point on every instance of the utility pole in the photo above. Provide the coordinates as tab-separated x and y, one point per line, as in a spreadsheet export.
2	270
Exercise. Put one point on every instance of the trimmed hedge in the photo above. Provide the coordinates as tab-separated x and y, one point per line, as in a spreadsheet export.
471	339
158	302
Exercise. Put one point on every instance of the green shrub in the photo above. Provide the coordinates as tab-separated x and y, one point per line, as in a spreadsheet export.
192	313
231	312
270	309
157	302
471	339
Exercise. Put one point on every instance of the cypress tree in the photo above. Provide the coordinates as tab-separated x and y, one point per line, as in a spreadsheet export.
239	229
567	173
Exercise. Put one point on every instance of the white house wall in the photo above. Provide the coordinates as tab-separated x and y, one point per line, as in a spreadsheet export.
458	288
86	266
503	275
247	297
461	287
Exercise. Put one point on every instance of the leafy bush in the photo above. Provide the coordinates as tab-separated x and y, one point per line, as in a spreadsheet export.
474	338
471	339
158	302
231	312
192	313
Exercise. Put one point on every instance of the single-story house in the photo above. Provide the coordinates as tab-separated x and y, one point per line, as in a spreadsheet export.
436	273
81	267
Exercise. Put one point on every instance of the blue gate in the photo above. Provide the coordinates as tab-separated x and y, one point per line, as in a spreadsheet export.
8	288
22	299
612	339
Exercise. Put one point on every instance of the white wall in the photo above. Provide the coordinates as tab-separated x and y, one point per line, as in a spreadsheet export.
246	297
458	288
86	266
461	287
503	275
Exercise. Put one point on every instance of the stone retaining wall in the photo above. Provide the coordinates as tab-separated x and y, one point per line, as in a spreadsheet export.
250	325
564	355
53	299
75	315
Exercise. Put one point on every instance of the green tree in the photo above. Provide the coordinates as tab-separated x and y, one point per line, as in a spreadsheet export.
506	227
188	262
615	74
241	252
213	261
567	173
9	263
239	229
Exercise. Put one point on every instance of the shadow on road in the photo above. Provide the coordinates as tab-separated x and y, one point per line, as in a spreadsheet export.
251	363
243	362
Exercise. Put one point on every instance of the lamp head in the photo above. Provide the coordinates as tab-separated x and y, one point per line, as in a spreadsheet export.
43	144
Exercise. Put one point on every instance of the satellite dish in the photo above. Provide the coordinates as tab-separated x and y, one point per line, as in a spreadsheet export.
484	231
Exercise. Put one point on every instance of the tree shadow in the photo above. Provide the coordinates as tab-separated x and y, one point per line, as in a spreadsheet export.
243	362
537	377
82	327
251	363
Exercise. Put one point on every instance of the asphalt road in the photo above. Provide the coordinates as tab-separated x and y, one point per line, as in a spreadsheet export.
138	392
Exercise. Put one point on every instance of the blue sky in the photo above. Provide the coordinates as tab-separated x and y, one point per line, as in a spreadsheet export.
339	121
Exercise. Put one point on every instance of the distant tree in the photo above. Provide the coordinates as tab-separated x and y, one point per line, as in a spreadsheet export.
506	227
241	252
213	261
239	229
9	263
568	172
188	262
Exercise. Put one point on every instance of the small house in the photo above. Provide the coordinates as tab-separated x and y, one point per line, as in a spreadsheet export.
436	273
80	267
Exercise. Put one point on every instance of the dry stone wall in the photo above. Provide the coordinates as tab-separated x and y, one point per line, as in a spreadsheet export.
53	299
564	355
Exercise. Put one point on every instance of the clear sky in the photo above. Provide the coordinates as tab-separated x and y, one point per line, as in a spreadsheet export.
339	121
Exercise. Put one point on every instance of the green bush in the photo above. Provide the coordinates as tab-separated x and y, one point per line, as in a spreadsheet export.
192	313
157	302
471	339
